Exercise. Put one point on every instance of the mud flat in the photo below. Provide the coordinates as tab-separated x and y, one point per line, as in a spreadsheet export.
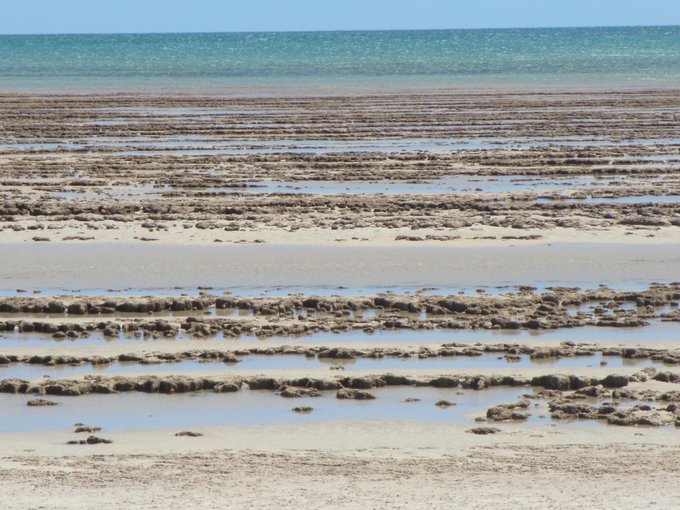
470	295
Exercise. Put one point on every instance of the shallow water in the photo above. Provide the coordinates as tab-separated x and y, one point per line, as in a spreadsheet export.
196	145
642	199
299	362
655	331
150	146
135	411
449	184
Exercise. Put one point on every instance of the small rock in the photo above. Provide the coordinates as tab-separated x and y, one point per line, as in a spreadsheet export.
615	381
483	431
303	410
41	402
84	428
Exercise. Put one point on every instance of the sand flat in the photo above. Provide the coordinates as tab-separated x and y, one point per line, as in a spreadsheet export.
442	465
253	269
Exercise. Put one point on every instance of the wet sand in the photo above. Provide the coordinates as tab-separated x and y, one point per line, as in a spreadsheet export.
347	465
207	264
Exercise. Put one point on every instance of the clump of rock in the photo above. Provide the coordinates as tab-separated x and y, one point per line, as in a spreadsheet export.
303	410
41	402
509	412
483	431
352	394
91	440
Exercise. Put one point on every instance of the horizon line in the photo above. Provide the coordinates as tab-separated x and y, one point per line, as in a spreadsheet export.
2	34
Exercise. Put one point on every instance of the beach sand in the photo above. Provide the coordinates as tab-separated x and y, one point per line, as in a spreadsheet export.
345	465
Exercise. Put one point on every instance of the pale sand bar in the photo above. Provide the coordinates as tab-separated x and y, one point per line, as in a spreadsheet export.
253	269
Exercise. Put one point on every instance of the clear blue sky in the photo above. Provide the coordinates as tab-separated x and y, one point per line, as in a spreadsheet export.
103	16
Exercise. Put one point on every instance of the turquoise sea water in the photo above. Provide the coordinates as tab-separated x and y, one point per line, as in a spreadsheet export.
598	57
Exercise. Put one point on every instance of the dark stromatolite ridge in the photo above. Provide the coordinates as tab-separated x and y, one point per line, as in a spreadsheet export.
609	400
103	306
305	315
464	116
640	414
230	356
185	384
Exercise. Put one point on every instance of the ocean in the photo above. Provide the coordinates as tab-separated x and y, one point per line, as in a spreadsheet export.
331	61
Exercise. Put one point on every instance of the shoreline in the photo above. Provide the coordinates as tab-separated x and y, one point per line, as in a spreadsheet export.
329	91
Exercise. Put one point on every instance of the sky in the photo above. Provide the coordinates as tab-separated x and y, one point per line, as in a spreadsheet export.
125	16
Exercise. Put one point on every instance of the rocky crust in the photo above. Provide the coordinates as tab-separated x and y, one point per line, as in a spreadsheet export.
103	162
294	388
306	315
